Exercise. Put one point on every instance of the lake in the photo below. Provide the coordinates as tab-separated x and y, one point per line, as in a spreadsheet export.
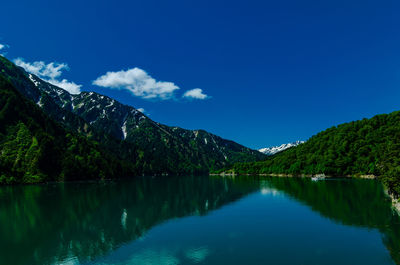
199	220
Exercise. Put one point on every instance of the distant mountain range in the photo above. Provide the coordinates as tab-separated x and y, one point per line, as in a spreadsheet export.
124	132
276	149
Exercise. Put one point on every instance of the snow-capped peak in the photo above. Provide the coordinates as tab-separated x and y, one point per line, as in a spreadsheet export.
276	149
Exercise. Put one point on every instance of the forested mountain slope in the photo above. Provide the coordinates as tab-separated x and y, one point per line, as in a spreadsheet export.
364	147
34	148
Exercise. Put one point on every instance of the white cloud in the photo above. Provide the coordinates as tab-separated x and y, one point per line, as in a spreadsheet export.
50	72
139	83
2	47
41	69
196	93
70	86
141	110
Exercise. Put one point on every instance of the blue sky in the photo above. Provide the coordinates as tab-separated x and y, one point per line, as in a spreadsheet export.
270	72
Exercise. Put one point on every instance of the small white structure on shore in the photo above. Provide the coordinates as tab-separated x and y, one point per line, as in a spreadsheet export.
318	177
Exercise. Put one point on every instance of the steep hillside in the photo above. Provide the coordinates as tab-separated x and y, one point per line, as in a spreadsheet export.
36	149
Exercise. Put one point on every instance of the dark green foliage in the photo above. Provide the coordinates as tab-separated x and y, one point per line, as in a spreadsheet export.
365	147
33	148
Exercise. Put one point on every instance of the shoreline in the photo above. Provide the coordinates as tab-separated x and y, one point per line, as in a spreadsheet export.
295	175
395	202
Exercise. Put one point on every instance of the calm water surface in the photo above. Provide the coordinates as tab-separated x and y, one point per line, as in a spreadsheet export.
199	220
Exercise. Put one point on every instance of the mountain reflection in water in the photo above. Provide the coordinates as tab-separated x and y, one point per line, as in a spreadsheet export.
80	222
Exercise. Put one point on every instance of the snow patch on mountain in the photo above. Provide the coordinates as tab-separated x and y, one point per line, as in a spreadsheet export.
123	128
276	149
33	80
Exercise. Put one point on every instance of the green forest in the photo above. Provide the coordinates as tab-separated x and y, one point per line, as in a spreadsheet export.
36	149
364	147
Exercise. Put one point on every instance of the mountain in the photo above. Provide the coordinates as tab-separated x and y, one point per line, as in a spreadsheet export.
364	147
126	133
34	148
276	149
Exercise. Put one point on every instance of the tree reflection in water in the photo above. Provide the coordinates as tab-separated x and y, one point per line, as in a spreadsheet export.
46	224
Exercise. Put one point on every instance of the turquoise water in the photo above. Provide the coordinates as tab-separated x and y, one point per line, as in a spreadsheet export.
199	220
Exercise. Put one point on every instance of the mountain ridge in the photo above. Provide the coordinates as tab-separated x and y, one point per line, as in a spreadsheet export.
276	149
153	148
34	148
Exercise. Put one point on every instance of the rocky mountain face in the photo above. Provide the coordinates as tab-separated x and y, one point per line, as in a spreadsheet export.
276	149
128	133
